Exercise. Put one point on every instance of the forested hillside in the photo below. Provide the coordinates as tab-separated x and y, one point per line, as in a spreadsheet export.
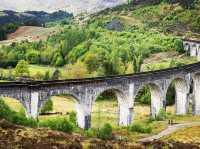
10	20
115	41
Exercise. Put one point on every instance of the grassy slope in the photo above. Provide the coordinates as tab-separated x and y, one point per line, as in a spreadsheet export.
162	18
186	135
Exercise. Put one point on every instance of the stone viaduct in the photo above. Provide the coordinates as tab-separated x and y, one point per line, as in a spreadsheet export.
34	94
192	47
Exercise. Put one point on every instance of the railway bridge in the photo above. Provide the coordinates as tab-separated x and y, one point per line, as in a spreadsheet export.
34	94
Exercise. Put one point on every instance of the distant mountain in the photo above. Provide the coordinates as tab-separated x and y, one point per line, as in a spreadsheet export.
33	18
74	6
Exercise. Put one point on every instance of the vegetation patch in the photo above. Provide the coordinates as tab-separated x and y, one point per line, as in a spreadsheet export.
140	127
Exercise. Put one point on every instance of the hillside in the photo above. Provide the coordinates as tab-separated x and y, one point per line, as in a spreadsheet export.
165	18
114	41
36	18
30	33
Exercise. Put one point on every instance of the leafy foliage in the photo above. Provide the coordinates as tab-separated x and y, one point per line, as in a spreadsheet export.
140	127
61	124
14	117
48	106
105	132
21	69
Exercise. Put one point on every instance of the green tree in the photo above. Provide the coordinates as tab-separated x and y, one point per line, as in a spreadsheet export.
33	57
47	75
78	70
91	61
178	44
48	106
21	70
60	61
137	60
56	75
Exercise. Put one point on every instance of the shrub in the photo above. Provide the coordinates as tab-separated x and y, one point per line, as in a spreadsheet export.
90	133
20	119
58	124
141	128
5	111
72	117
14	117
105	132
178	43
144	96
21	69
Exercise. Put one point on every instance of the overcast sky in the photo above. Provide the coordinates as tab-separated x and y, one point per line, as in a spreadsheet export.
75	6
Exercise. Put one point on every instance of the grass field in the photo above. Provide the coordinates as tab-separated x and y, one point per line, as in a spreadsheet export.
185	135
35	70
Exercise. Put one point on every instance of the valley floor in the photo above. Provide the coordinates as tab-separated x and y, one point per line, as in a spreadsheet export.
106	112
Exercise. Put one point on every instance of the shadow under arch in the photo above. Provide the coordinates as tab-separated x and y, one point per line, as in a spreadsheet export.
63	105
112	105
150	94
178	93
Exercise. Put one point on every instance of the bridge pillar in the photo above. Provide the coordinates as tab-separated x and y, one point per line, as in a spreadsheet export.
33	107
196	92
125	115
83	116
193	50
198	54
157	100
181	99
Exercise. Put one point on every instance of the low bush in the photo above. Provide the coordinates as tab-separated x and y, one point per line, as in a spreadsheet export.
15	117
72	117
60	124
105	132
141	128
90	133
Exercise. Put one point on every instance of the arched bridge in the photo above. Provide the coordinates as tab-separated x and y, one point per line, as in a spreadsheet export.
34	94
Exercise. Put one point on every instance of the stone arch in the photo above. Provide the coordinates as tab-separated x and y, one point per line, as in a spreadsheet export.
181	95
121	97
125	113
43	101
80	108
156	98
196	93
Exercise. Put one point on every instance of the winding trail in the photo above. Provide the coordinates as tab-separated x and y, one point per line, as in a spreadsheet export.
168	131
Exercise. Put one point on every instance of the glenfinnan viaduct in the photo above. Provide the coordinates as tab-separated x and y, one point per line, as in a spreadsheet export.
34	94
192	47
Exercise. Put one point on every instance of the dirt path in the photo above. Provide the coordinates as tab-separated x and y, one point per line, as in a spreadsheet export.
168	131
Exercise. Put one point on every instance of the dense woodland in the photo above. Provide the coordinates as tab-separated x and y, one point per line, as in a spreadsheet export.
101	51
